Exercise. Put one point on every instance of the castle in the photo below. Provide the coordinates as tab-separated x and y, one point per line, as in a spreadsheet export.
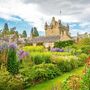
54	32
56	28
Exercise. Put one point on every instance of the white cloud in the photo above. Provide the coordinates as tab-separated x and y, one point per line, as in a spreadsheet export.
40	11
29	13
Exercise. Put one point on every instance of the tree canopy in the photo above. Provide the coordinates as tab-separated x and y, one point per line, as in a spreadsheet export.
34	32
5	29
24	34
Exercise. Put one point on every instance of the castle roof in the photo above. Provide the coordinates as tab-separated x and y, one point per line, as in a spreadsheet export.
42	39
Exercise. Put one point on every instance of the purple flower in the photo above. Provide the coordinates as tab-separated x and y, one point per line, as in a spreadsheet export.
57	50
22	54
13	45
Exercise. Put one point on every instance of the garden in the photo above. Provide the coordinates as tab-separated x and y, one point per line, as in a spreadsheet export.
22	68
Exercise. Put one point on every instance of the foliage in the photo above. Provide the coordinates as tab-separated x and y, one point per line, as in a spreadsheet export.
82	58
61	53
85	85
79	83
72	83
5	29
34	32
67	63
41	72
24	34
33	48
38	58
12	30
3	53
61	44
85	49
12	64
84	41
8	82
15	83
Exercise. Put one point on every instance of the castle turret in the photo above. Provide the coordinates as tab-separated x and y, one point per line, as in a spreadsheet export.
53	22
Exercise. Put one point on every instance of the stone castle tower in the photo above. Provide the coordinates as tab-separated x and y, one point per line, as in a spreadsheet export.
56	28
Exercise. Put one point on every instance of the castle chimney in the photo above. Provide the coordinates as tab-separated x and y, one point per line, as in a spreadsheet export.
59	21
46	25
67	26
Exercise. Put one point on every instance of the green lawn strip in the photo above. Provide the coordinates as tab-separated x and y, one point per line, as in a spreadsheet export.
48	84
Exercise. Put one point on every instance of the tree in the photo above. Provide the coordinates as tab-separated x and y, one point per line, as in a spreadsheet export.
17	34
12	30
34	32
5	29
24	34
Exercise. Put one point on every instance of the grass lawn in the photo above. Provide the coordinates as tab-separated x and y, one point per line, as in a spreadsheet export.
48	84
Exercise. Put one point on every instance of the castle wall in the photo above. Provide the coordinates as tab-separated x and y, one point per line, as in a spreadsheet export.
52	31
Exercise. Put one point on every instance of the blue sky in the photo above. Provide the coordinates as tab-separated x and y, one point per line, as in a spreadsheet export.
20	25
24	14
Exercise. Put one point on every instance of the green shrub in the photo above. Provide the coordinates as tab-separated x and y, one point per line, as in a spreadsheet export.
72	83
85	48
8	82
38	57
4	77
82	57
12	63
34	48
50	71
85	84
64	66
39	73
15	83
61	53
61	44
67	63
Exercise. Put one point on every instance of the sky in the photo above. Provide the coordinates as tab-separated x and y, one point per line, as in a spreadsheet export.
25	14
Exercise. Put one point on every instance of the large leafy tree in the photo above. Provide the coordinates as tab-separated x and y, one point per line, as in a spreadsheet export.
34	32
24	34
